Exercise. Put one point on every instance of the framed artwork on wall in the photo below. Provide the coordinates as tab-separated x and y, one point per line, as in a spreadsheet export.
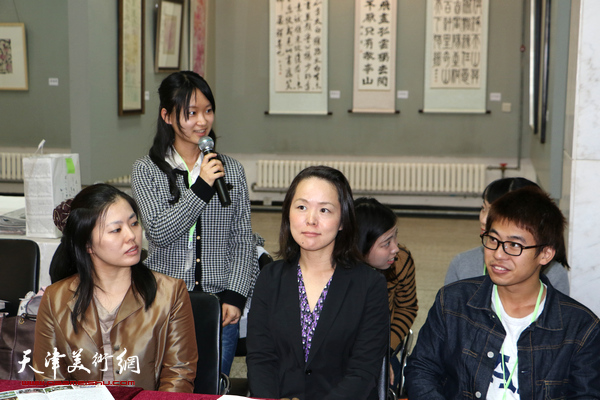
131	57
298	75
456	57
169	30
13	57
198	11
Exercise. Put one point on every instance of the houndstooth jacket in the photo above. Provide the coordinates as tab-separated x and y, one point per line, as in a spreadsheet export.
224	259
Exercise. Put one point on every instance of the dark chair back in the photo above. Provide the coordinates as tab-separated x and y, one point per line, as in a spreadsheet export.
239	386
402	352
383	384
19	269
264	259
241	351
207	320
384	378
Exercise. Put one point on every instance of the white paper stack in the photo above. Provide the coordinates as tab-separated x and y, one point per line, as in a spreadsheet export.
49	180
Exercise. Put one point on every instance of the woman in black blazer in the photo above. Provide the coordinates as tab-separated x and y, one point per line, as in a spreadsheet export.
319	322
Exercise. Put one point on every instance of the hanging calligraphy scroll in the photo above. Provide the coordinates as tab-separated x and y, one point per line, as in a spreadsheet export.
298	57
456	56
374	56
198	11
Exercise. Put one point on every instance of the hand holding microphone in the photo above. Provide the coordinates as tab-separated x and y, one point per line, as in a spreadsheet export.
207	146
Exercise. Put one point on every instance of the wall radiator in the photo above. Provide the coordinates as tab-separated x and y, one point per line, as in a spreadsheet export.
364	177
11	166
382	178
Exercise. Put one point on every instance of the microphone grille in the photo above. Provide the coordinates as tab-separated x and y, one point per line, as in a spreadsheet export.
206	143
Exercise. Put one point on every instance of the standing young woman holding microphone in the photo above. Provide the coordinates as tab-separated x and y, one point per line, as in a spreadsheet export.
192	235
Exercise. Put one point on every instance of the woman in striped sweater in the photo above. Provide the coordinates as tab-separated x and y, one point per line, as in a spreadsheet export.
377	241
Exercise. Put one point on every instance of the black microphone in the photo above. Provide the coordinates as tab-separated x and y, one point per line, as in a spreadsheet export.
207	146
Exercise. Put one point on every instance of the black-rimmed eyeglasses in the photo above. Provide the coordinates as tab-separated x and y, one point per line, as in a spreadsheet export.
510	248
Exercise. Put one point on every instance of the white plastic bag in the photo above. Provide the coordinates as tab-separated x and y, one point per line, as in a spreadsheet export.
49	179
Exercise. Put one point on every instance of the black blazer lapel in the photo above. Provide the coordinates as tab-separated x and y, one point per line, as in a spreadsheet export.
291	308
340	283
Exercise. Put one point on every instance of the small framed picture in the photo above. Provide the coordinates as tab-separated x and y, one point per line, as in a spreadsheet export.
169	31
13	57
131	57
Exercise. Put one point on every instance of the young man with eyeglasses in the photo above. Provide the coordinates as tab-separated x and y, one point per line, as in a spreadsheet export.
510	334
470	263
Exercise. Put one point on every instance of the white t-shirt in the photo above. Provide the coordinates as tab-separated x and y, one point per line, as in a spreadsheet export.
513	327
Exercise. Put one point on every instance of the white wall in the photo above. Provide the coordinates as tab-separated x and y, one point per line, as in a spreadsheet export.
581	192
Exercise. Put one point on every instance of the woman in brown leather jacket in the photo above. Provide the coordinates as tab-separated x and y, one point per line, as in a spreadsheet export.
114	320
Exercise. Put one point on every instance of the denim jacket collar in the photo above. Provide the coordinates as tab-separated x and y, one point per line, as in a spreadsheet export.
550	318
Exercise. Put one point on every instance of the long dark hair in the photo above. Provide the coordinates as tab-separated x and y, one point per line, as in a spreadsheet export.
89	208
175	93
373	219
345	251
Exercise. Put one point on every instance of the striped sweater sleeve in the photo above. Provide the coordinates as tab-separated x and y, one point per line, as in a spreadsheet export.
402	296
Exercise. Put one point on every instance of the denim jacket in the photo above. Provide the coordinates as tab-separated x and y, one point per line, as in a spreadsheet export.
457	348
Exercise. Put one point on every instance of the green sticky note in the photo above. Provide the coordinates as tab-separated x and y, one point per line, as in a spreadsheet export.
70	165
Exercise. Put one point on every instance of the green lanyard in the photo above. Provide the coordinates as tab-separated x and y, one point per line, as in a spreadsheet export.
193	228
535	312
